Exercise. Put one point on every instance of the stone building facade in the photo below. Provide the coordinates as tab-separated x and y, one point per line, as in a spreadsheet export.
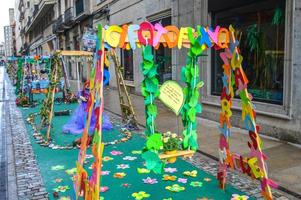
273	76
270	39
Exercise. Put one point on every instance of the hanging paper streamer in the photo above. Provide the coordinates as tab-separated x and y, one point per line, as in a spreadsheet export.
84	185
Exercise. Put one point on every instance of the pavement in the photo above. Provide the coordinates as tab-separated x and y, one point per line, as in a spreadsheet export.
20	176
284	160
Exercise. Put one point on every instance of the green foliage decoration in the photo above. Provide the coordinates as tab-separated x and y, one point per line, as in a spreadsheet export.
190	75
150	91
149	88
56	68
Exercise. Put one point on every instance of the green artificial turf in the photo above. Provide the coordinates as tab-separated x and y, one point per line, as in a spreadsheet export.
49	159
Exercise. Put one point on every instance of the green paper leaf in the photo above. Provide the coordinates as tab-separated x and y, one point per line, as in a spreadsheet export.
152	109
154	142
194	99
153	161
192	114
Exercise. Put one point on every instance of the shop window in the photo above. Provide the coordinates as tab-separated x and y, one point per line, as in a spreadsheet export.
260	28
127	64
162	56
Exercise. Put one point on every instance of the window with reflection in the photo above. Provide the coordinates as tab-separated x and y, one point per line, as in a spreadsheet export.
260	28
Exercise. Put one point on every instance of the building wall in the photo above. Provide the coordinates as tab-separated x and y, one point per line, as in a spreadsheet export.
280	121
8	40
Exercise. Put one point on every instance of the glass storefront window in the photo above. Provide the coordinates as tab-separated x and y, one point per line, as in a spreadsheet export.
260	28
127	64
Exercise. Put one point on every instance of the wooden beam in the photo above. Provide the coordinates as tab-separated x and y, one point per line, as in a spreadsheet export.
185	153
75	53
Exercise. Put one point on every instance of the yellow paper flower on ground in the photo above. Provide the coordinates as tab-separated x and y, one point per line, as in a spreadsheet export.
140	195
193	173
167	177
119	175
239	197
107	158
175	188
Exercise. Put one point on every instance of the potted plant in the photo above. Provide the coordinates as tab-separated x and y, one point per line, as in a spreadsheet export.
171	143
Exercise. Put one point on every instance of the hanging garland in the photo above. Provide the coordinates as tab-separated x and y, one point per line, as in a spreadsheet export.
150	90
190	75
56	71
19	76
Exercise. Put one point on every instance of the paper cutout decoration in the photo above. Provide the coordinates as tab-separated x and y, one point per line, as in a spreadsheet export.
175	188
171	94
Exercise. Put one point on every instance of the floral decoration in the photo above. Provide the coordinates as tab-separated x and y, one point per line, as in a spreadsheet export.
107	158
104	188
119	175
104	173
116	153
149	180
239	197
140	195
58	180
57	167
167	177
207	179
143	171
130	158
192	173
182	180
123	166
136	152
61	188
170	170
196	184
175	188
71	171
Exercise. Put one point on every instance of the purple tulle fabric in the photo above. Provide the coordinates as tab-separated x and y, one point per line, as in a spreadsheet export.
76	124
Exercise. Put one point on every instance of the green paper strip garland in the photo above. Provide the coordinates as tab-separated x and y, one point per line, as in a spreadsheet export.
190	75
149	89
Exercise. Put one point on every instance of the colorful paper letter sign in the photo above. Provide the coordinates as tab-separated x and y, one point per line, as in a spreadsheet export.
171	94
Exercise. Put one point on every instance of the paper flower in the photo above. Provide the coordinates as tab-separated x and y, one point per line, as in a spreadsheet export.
104	173
140	195
136	152
143	171
170	170
119	175
182	180
61	188
123	166
207	179
58	180
167	177
107	158
116	153
104	189
149	180
57	167
130	158
88	156
196	184
239	197
65	198
126	185
71	171
175	188
192	173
